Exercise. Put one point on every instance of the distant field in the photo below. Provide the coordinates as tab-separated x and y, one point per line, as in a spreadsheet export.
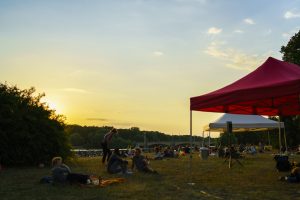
212	178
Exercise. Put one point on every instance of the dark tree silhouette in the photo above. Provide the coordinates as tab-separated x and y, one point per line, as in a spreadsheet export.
30	132
291	53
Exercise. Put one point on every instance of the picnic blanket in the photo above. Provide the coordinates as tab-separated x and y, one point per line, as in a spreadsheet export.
106	182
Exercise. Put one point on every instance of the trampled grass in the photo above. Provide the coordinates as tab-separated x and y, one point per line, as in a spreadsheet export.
212	180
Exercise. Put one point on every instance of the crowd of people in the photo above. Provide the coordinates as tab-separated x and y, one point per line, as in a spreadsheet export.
223	151
113	161
117	162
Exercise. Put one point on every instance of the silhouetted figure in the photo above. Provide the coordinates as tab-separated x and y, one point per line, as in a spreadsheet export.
105	142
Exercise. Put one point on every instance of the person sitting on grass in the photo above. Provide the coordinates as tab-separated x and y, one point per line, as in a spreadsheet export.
294	177
157	154
61	173
141	163
168	152
298	150
116	164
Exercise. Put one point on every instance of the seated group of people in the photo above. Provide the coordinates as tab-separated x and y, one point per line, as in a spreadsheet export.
118	165
168	152
249	149
61	173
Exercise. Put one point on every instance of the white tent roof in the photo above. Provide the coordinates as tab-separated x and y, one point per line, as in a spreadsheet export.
242	123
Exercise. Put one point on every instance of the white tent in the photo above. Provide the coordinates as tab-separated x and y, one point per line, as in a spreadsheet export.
242	123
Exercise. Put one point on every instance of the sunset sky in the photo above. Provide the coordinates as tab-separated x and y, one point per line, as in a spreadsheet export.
136	63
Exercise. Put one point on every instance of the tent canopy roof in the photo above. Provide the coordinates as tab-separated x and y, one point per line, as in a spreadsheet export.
272	89
242	123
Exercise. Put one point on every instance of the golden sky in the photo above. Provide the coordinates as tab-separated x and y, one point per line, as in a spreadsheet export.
137	63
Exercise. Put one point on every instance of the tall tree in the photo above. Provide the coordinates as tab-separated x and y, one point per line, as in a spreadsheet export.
30	132
291	53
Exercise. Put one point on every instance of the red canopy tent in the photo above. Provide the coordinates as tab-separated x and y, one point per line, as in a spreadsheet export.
272	89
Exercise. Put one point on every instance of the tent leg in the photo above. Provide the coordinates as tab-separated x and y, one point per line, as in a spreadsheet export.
191	140
269	138
191	129
284	135
202	138
208	139
279	127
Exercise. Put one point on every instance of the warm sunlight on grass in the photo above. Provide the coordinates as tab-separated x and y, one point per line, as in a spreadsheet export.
212	178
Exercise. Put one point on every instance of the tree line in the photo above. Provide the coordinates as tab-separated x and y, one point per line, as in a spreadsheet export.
91	136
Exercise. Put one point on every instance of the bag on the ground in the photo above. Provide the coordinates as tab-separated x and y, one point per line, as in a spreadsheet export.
282	163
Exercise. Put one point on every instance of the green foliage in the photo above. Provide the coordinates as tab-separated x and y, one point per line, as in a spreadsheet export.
256	137
225	139
30	132
291	52
91	136
292	127
257	180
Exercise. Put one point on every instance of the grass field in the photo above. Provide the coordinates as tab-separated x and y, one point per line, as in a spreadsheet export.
213	180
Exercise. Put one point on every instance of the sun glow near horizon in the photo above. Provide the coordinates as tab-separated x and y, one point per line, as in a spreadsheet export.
137	63
55	105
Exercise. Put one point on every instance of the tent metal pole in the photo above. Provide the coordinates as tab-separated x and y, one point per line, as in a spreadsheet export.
209	139
286	148
269	138
202	138
145	142
279	127
191	140
191	129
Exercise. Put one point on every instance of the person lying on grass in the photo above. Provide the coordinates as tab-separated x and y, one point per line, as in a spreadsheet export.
141	163
116	164
61	173
294	177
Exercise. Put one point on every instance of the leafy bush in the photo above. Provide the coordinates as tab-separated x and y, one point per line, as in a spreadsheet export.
30	131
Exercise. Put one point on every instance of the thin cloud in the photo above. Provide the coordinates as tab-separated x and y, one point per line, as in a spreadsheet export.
234	58
123	124
238	31
97	119
285	35
214	31
249	21
197	1
110	122
290	33
267	32
76	90
158	53
291	15
214	51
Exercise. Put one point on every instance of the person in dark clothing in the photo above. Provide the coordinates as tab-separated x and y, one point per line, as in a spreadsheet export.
61	173
294	177
141	163
105	142
116	164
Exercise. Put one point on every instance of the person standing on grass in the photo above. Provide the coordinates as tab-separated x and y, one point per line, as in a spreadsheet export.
105	142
